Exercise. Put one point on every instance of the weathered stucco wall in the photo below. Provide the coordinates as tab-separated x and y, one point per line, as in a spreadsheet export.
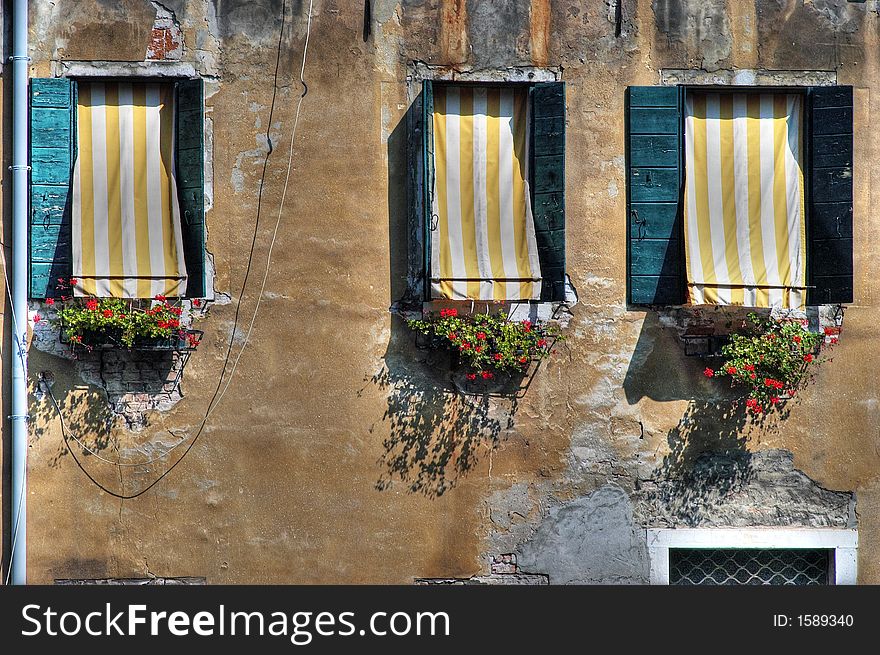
339	453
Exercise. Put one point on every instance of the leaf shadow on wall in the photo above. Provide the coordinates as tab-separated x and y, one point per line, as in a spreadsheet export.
436	434
707	452
86	416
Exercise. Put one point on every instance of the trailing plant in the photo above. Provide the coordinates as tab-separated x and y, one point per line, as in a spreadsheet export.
121	320
771	358
488	344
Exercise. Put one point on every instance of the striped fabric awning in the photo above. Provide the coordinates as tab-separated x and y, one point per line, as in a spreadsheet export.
744	211
483	235
127	239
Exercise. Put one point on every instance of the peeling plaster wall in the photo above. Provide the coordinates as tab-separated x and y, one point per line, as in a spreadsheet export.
342	453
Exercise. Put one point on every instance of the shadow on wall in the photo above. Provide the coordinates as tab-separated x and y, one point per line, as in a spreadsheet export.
659	369
86	415
708	458
436	433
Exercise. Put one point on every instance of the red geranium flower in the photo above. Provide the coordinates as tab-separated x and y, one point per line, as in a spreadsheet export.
523	360
527	325
478	349
465	346
487	375
159	297
808	358
92	304
731	370
73	281
709	373
749	367
796	339
481	336
37	318
751	402
541	343
108	313
452	336
471	376
753	376
196	303
50	301
498	357
774	400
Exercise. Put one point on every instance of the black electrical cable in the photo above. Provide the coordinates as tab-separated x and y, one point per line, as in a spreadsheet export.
240	297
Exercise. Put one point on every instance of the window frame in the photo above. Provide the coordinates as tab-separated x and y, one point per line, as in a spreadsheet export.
844	543
806	91
426	182
174	79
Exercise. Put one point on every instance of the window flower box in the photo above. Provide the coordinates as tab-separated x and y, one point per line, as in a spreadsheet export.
489	353
117	323
771	359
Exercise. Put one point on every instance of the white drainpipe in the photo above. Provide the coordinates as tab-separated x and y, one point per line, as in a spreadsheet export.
19	418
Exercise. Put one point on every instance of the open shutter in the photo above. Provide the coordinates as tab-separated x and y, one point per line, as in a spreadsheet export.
52	120
548	184
655	274
190	153
830	194
427	179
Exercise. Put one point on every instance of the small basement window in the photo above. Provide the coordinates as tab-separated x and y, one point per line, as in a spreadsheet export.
753	556
749	566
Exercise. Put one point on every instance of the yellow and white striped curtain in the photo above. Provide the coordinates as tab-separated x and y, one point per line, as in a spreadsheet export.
744	206
483	235
127	239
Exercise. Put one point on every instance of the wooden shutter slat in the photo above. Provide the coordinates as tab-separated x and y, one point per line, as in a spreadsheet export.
52	134
548	184
190	174
427	181
830	193
655	261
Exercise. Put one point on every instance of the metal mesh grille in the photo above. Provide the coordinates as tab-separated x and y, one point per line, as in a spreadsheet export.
729	566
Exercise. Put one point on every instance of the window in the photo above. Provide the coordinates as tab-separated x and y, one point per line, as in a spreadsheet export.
752	556
749	566
494	191
809	130
62	113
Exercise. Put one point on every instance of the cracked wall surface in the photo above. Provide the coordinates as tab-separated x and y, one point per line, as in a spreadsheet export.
341	452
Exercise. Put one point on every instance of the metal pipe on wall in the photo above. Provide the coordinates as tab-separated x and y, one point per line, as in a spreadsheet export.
19	418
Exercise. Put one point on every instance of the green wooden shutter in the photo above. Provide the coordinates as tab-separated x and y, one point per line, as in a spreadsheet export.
830	195
52	125
548	184
190	153
655	274
427	181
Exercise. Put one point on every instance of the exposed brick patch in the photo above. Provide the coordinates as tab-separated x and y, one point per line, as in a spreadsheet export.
503	564
166	38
